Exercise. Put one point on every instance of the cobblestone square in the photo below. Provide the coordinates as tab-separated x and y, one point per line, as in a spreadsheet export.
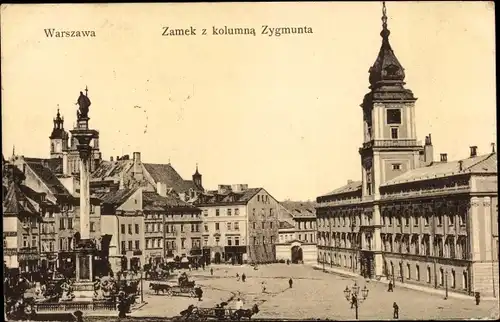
314	294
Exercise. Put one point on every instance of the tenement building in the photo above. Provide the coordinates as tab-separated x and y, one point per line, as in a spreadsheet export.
411	219
240	224
149	228
297	232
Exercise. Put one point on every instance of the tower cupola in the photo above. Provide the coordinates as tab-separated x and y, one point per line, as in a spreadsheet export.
197	178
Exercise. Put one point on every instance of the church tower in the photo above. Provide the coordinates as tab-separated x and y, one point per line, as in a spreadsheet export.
390	144
58	138
197	179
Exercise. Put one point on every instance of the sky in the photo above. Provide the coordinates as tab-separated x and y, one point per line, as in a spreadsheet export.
275	112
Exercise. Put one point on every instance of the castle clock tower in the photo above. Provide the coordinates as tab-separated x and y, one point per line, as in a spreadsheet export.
390	144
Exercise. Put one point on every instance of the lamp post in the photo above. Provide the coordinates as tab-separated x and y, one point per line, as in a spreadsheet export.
142	286
446	284
324	260
353	297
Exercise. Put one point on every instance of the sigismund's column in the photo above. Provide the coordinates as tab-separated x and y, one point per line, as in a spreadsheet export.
85	249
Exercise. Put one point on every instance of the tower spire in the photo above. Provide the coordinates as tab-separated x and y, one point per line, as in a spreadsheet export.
386	71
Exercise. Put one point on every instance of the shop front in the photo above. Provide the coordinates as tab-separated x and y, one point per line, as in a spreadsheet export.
206	255
196	257
234	254
217	254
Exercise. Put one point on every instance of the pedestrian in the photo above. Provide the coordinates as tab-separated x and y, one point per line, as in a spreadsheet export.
290	282
189	266
263	287
478	298
396	310
390	289
237	276
211	271
199	293
78	315
239	304
243	277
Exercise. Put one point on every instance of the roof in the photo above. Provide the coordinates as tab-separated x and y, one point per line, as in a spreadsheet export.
54	164
48	178
153	201
480	164
111	169
351	186
285	225
117	197
167	175
299	209
229	198
16	201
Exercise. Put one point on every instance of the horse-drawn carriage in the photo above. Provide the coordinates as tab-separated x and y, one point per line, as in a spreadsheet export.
185	287
218	313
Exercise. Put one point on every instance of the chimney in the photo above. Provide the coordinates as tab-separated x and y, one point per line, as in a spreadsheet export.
460	165
122	181
137	166
493	147
161	189
428	150
444	157
111	159
117	158
65	164
473	151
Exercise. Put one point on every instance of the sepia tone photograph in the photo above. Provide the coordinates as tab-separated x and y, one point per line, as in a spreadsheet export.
249	161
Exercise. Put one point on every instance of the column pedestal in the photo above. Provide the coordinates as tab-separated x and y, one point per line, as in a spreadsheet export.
83	288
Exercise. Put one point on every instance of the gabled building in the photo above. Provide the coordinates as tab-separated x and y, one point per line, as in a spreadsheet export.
126	172
411	219
172	229
21	224
240	224
59	204
148	228
297	232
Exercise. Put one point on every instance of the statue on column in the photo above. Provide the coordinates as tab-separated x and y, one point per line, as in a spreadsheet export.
84	104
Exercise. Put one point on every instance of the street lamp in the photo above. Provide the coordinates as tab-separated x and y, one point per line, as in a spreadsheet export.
352	296
446	284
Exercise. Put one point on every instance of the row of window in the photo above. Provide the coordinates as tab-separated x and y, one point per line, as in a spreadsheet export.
171	216
229	226
218	212
307	237
263	239
132	245
423	246
389	220
169	228
263	225
130	231
263	198
152	243
305	225
440	278
67	223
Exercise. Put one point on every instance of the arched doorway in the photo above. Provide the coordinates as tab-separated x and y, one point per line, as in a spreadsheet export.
297	255
217	258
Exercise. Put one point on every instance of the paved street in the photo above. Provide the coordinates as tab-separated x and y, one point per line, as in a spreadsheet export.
314	294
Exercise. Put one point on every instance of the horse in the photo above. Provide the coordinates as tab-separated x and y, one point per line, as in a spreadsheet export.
245	313
190	314
158	287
